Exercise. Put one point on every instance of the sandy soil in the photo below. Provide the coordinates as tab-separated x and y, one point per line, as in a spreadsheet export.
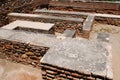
15	71
114	40
116	55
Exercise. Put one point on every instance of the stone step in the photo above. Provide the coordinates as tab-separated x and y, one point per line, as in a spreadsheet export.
39	17
30	25
67	33
88	23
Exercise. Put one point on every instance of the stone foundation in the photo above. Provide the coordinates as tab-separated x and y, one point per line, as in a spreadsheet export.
20	48
50	72
43	18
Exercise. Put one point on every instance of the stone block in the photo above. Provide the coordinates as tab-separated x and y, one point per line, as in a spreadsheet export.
103	37
66	33
88	23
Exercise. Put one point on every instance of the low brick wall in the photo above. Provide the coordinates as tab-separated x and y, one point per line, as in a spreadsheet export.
99	7
110	21
27	54
20	48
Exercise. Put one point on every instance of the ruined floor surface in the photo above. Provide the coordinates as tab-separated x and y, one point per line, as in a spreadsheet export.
68	51
15	71
114	41
80	55
12	71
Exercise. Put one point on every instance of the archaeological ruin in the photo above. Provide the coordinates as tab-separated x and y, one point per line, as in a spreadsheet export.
64	39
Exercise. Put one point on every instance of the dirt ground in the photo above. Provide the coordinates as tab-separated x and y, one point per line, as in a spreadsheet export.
114	41
15	71
116	55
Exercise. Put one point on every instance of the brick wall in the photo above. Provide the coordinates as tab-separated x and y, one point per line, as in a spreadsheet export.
100	7
50	72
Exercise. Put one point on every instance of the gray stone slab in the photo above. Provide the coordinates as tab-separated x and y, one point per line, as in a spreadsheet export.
88	23
38	16
29	24
79	55
67	33
103	37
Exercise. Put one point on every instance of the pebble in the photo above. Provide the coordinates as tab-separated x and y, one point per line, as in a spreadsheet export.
24	56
